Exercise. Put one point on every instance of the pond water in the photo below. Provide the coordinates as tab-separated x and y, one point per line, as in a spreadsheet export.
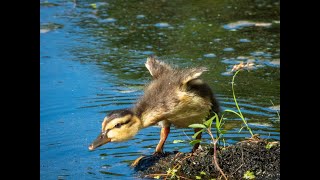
92	58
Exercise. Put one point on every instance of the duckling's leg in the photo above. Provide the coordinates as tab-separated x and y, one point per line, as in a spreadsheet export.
195	147
163	137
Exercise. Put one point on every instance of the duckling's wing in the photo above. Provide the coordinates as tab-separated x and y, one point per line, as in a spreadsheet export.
191	82
156	67
191	74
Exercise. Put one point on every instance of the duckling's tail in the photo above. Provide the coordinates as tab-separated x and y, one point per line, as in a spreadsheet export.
156	67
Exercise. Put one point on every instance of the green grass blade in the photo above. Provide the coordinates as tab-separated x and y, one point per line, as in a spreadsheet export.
241	128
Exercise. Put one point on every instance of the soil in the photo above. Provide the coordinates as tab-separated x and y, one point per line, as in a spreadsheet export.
250	155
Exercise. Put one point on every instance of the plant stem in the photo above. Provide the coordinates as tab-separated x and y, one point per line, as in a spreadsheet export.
235	100
215	153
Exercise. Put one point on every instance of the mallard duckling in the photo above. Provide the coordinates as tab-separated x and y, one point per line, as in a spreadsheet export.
174	97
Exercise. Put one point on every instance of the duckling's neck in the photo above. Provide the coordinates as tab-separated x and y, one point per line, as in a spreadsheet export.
140	122
147	117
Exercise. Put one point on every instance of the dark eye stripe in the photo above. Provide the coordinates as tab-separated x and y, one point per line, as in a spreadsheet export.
120	124
130	124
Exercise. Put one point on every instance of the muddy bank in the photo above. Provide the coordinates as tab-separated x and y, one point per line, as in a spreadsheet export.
258	158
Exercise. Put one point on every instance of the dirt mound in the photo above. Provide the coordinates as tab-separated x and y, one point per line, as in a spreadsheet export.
258	159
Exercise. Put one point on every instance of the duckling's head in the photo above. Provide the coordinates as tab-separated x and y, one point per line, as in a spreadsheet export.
118	126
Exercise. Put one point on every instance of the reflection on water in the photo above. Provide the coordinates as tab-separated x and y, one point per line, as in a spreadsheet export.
92	59
240	24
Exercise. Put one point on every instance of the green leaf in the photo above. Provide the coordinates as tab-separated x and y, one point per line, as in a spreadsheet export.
193	142
208	123
203	173
228	110
270	145
197	126
196	134
217	123
177	141
198	177
249	175
156	177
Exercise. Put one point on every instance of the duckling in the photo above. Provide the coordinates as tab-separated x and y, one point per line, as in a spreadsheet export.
175	96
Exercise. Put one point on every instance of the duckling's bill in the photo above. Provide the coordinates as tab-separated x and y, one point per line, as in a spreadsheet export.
100	140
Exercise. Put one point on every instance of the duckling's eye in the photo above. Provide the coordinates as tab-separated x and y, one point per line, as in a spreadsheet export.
117	125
